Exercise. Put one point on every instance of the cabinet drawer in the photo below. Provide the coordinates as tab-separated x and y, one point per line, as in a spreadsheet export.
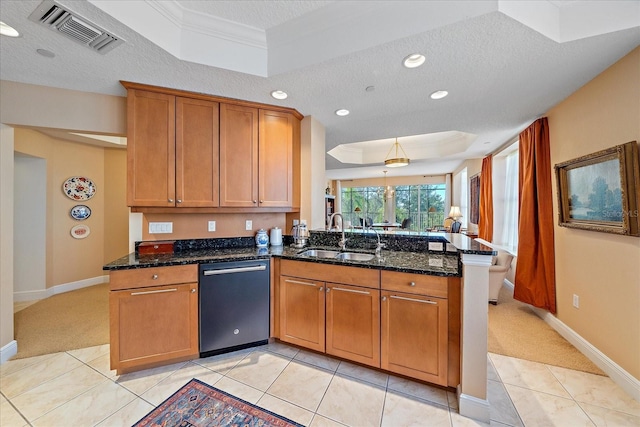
154	276
414	283
358	276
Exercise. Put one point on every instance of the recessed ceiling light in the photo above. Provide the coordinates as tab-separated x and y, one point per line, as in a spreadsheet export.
439	94
8	30
46	53
278	94
414	60
342	112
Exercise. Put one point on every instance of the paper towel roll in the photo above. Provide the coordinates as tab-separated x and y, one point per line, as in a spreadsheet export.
275	236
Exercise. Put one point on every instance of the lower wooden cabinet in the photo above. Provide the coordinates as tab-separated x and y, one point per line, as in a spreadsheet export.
353	323
153	325
401	322
414	336
302	315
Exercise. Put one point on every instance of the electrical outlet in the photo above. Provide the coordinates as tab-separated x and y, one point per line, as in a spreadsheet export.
248	225
212	226
160	227
576	301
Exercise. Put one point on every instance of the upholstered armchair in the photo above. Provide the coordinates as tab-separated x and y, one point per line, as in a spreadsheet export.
497	272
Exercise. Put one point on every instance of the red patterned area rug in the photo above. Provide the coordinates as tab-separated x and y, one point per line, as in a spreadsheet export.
198	404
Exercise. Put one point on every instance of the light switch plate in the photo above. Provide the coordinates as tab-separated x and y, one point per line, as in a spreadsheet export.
212	226
248	225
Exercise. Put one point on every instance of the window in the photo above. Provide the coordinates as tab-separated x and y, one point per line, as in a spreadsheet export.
505	198
423	204
368	199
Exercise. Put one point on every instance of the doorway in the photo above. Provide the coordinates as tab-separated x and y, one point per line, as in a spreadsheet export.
29	228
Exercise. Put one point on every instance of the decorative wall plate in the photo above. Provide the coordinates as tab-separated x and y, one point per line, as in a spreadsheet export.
80	231
80	212
79	188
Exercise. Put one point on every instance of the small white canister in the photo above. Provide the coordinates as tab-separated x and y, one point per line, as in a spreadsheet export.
275	236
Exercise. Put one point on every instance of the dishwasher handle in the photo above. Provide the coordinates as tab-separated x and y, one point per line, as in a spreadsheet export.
235	270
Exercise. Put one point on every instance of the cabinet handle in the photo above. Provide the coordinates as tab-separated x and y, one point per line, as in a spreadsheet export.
170	200
352	290
261	201
412	283
320	289
300	283
179	200
159	291
193	291
254	201
384	298
328	289
414	300
154	277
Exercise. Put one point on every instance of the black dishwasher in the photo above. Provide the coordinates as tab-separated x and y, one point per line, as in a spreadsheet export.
234	305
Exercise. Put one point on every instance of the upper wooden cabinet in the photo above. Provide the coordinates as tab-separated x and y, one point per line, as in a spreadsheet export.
256	157
238	156
197	154
150	149
275	159
172	151
197	151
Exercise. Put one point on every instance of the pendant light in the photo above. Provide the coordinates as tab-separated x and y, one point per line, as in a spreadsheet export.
397	161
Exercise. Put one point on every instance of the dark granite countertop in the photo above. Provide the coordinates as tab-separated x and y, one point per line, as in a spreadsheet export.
404	252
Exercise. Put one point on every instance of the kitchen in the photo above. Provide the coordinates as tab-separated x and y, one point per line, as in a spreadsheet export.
41	101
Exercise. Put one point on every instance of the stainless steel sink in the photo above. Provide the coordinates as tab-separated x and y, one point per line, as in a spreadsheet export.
323	253
354	256
320	253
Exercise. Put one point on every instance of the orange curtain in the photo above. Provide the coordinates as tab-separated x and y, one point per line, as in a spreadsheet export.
535	281
485	226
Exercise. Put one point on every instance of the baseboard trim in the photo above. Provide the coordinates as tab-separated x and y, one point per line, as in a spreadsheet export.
472	407
8	351
621	377
59	289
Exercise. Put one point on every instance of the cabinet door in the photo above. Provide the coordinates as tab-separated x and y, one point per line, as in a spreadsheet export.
149	326
197	148
150	149
414	336
238	156
302	312
353	323
275	159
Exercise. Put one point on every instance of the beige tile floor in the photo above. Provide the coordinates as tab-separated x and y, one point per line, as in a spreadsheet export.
76	388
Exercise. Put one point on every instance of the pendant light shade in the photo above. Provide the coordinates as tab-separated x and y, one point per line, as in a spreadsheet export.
396	161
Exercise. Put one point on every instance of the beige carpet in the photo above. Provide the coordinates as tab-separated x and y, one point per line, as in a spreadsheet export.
515	330
66	321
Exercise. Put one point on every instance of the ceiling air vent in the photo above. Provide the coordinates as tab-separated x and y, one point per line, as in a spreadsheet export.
57	18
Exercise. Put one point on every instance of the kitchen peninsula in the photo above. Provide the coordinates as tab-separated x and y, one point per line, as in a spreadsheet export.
420	277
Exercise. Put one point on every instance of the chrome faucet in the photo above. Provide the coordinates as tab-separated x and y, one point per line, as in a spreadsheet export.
380	245
343	242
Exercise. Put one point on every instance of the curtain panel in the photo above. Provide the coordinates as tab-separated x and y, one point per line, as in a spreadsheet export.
535	275
485	225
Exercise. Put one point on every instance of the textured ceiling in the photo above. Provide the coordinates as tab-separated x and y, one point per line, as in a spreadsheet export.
500	73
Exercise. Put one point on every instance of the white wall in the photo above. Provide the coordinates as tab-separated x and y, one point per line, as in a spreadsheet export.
312	174
29	246
8	346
